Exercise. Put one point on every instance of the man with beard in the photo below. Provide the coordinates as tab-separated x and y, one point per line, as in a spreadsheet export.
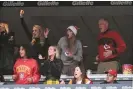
70	50
39	40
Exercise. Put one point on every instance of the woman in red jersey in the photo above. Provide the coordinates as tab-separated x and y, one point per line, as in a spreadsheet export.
26	69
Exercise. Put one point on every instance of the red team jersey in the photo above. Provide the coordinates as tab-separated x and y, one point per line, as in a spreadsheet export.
24	69
110	40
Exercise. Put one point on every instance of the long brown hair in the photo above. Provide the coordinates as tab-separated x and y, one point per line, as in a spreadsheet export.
71	43
84	76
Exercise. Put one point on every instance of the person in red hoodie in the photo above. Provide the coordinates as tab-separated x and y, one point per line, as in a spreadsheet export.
110	46
26	69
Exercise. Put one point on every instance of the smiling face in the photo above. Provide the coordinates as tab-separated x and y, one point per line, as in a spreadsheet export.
77	72
22	52
51	51
35	32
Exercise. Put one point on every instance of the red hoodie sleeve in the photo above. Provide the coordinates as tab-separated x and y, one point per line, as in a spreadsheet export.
36	74
121	46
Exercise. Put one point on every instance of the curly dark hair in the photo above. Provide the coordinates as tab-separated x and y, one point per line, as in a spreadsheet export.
27	49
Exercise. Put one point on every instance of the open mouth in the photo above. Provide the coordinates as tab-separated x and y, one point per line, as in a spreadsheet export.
75	74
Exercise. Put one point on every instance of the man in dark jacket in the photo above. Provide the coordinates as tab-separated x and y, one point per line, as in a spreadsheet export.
111	77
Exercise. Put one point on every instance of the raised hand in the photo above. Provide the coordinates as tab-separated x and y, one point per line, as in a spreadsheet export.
46	32
21	13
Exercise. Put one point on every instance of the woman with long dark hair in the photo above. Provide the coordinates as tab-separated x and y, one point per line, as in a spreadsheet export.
70	49
79	77
26	70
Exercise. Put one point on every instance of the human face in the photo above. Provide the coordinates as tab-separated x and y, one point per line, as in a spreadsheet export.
22	52
69	34
110	78
51	51
77	72
103	25
35	32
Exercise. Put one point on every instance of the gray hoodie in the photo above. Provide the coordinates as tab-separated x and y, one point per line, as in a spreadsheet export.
77	53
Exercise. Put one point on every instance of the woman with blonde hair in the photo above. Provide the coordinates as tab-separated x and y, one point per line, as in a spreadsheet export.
52	67
38	40
4	27
6	48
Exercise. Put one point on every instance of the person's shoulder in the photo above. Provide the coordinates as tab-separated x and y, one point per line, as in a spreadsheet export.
18	59
70	81
115	82
63	38
58	59
33	60
104	82
113	32
88	81
78	41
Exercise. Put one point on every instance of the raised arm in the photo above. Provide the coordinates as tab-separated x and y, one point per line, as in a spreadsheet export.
24	25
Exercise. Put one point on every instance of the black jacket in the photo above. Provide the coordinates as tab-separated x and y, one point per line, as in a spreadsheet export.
1	78
52	69
6	52
37	48
105	82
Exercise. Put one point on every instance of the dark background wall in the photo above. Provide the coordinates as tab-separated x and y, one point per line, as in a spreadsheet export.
86	18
